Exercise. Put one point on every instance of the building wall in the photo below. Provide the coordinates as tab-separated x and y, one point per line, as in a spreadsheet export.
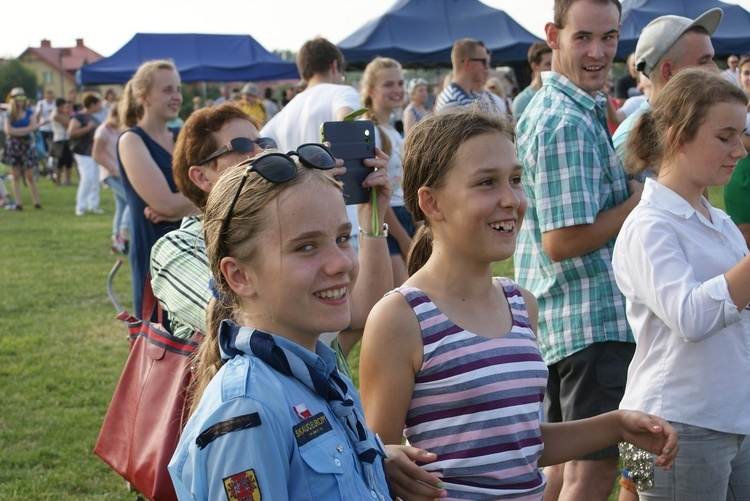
49	78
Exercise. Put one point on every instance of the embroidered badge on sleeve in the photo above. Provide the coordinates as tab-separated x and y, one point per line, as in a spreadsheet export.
234	424
242	487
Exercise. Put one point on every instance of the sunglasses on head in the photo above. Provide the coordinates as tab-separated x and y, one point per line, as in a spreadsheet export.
241	145
279	168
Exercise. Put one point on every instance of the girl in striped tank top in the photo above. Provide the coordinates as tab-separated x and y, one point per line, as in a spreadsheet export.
449	360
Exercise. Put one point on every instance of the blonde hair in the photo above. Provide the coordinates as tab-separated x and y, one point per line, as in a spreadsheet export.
676	117
131	109
15	113
369	80
241	239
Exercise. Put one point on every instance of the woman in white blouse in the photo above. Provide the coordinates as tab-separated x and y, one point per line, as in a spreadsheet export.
684	269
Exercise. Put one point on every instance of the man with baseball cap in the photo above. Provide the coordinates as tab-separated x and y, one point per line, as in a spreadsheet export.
667	45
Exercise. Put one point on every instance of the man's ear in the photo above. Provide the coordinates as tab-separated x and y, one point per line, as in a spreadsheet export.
553	36
428	202
242	279
197	174
666	71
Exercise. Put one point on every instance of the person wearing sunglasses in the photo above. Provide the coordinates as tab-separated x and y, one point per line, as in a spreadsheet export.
212	140
471	67
19	152
278	421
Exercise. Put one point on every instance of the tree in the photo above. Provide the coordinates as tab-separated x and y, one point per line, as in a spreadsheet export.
15	74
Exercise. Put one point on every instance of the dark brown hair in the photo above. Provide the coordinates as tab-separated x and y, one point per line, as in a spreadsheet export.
316	56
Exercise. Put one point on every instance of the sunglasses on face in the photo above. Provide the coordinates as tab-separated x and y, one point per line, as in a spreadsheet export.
279	168
240	145
482	60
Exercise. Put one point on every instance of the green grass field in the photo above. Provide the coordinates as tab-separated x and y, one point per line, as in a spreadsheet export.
61	349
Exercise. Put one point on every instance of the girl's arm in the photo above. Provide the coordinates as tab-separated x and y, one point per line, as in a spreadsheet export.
148	181
100	156
651	266
375	274
573	439
390	357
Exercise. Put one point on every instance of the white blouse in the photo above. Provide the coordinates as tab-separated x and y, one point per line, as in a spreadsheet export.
692	358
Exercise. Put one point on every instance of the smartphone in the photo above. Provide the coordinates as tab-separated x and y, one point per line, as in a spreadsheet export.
352	142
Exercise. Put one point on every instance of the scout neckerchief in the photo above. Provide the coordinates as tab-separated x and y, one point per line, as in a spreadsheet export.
332	388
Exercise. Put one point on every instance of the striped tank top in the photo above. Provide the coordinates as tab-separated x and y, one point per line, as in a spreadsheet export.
476	403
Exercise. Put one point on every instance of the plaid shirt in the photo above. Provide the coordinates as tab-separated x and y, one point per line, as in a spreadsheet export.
571	173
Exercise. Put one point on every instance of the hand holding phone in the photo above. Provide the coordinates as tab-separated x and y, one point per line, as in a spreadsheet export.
352	142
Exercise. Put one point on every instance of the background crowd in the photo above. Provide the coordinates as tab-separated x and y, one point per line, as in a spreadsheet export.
629	299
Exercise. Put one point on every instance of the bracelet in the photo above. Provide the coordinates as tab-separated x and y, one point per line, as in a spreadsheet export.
382	234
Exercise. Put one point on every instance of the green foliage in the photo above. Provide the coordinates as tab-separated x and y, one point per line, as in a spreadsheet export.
16	74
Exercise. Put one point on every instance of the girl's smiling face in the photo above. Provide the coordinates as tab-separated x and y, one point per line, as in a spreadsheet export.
388	92
306	267
482	204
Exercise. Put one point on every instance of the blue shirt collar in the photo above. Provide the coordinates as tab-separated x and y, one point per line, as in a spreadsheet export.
567	87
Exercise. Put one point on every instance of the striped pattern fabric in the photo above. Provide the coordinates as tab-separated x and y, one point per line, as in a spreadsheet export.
180	276
454	95
476	403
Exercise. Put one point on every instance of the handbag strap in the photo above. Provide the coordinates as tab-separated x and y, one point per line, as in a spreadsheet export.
150	303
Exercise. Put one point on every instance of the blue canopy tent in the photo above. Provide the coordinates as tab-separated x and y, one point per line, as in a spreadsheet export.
209	58
422	32
732	36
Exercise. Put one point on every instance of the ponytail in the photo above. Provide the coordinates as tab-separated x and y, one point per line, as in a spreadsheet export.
208	359
130	110
645	145
420	249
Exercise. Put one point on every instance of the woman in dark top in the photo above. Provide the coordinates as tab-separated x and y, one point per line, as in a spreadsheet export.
151	99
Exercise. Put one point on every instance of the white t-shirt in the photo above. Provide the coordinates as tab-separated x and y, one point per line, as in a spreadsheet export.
45	110
299	122
631	104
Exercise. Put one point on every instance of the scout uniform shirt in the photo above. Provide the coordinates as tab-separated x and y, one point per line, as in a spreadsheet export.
260	434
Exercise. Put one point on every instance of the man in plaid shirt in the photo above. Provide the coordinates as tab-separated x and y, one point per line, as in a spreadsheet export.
578	198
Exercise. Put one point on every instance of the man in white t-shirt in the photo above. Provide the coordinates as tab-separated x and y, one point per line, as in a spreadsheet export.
326	98
44	109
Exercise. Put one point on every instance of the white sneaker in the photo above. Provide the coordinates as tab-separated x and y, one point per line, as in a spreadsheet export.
96	211
79	212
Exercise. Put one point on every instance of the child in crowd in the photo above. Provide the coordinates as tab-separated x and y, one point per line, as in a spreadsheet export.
450	359
278	421
685	271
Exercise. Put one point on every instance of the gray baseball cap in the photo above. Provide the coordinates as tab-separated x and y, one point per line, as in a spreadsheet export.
661	34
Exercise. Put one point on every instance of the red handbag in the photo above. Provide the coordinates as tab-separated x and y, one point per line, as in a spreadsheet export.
150	406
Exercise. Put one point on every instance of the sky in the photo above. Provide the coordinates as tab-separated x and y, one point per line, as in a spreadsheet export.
275	24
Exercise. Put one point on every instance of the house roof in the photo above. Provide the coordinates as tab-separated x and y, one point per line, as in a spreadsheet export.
68	59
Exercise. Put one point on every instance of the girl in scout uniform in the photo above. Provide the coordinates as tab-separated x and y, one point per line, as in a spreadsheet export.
278	421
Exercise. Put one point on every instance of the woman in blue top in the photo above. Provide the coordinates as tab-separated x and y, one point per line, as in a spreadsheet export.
19	150
150	99
278	421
